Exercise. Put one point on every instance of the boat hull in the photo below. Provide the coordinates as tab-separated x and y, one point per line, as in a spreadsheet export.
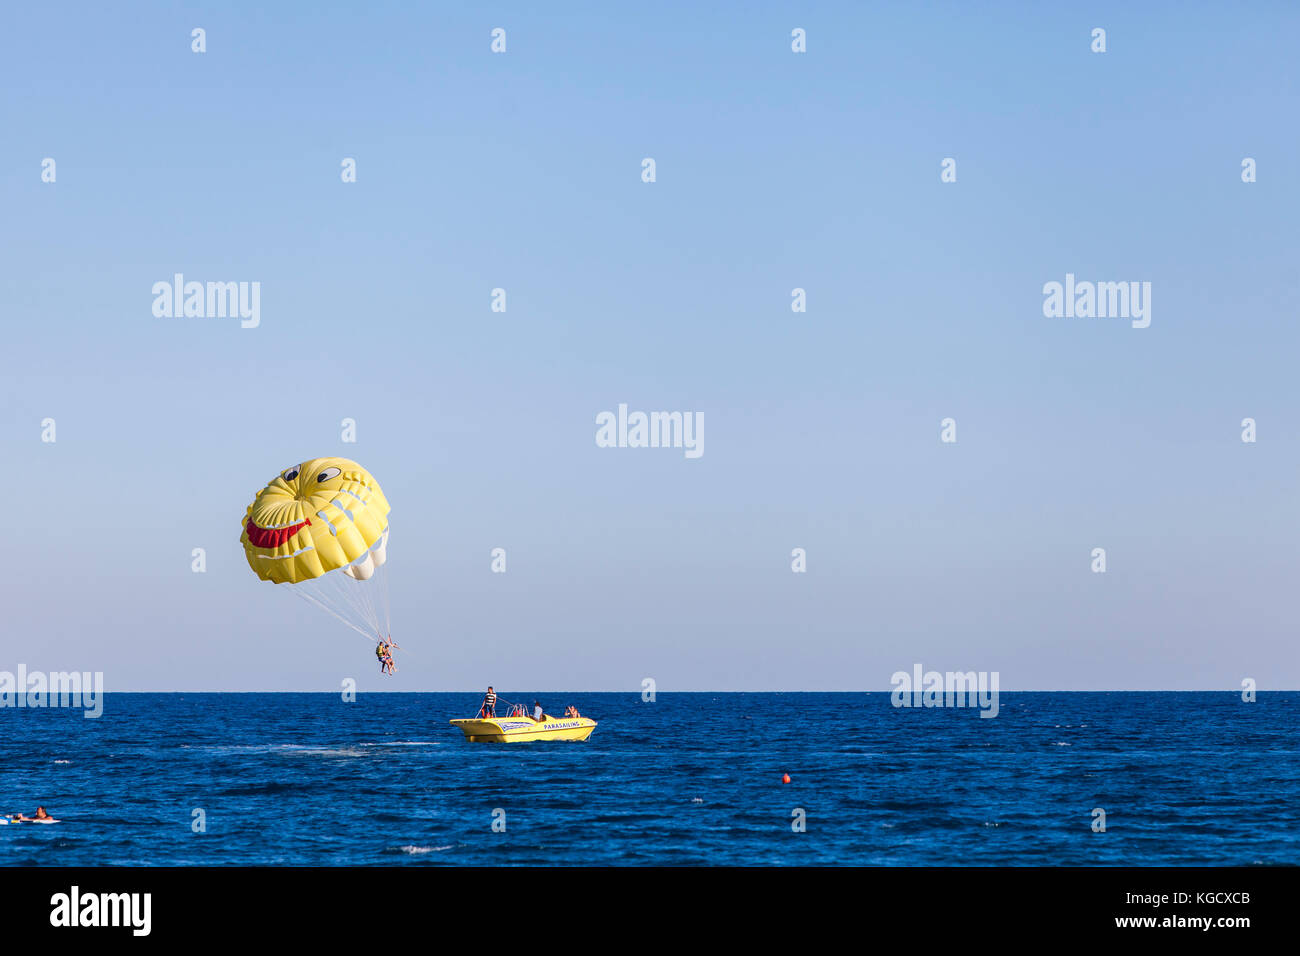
519	730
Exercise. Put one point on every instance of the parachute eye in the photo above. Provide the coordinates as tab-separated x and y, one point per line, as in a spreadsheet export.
291	474
328	473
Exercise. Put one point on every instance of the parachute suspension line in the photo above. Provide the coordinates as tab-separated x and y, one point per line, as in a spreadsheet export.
366	597
383	600
313	599
358	596
361	605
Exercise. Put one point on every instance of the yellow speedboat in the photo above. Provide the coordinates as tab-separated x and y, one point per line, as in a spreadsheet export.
512	730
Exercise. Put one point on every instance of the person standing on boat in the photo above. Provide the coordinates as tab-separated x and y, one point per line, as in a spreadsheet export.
489	708
537	711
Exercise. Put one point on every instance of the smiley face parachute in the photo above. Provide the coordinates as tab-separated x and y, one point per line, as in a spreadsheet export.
320	530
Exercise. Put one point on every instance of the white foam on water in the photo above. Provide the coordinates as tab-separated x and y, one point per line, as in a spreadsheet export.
296	750
406	743
412	850
288	750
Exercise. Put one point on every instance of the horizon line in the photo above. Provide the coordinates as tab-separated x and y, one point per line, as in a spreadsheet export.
1149	690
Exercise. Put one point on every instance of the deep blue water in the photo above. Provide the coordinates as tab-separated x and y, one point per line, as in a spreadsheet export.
1185	778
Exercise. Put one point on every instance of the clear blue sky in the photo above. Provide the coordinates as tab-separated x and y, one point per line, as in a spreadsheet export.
775	171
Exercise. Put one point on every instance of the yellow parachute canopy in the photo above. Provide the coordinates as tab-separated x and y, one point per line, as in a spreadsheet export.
321	527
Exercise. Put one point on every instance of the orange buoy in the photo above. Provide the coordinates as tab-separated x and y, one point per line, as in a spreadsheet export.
785	778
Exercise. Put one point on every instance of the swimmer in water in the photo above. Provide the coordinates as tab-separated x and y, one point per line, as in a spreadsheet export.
41	817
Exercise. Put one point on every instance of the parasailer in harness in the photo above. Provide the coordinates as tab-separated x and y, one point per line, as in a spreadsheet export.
385	654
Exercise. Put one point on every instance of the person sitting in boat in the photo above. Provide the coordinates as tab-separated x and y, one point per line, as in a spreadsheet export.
489	708
571	711
537	711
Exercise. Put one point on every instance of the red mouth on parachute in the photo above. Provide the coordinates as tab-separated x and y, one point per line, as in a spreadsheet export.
272	537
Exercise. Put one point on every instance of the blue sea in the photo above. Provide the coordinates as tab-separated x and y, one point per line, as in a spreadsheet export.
307	779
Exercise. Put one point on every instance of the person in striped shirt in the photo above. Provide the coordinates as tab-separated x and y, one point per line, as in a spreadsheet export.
489	708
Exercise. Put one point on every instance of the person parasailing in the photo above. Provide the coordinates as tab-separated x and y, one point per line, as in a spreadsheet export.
385	657
320	531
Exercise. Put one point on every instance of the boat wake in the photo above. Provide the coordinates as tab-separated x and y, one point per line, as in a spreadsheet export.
411	850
